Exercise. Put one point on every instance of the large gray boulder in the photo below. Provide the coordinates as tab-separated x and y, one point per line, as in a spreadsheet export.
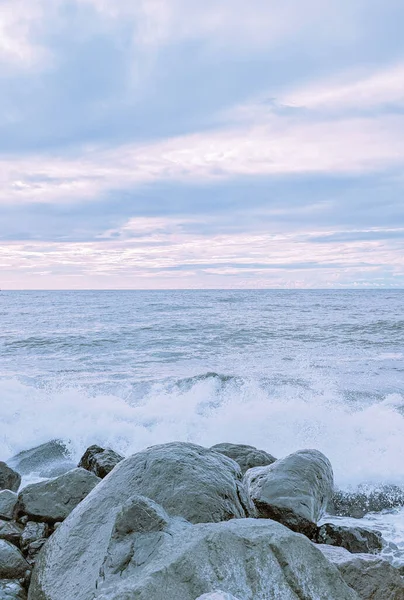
8	500
12	563
53	500
370	576
9	479
353	539
150	556
294	491
188	480
364	500
47	460
245	456
12	590
100	461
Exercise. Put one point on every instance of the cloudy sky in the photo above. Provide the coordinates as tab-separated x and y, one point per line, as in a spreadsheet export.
189	144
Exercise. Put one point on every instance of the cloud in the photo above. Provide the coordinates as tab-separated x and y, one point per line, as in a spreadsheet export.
376	234
170	256
256	25
18	46
173	142
26	26
378	89
278	147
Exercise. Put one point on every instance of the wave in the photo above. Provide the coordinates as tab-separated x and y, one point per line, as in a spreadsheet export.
364	440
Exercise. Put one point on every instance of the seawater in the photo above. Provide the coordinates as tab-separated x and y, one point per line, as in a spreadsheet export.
281	370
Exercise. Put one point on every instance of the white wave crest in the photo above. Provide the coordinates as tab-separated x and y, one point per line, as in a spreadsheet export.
364	442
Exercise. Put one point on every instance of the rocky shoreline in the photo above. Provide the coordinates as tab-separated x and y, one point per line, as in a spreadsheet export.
179	521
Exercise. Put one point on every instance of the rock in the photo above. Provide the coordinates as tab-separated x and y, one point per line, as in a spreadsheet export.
53	500
8	500
217	595
353	539
150	556
47	460
188	480
372	577
12	590
99	461
11	532
12	563
32	533
364	500
294	490
33	549
246	457
141	515
9	479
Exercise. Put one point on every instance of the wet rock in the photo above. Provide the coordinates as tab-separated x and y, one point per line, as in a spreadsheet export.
8	500
32	533
53	500
11	532
12	590
294	490
246	457
47	460
365	500
9	479
370	576
157	557
353	539
12	563
187	480
100	461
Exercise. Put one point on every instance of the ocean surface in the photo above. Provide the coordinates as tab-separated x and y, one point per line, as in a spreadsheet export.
281	370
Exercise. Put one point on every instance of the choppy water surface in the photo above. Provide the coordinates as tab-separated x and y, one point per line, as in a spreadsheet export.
281	370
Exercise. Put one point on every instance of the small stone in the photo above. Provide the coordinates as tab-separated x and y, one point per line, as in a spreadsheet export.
353	539
8	501
9	479
33	531
33	550
11	532
99	461
12	590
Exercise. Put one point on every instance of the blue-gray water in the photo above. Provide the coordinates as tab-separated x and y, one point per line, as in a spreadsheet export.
281	370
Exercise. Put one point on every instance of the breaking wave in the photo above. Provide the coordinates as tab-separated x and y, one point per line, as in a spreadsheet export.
362	438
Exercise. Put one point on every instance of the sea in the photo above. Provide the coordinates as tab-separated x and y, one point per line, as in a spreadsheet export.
281	370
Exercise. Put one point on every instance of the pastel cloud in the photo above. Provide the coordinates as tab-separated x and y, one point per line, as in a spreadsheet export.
162	254
279	146
127	131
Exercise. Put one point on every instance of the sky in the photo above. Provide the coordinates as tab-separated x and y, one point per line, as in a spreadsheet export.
184	144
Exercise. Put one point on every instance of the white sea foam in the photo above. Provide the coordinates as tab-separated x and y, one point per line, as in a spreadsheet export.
364	442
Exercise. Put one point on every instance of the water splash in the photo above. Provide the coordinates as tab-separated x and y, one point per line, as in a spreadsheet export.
363	439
